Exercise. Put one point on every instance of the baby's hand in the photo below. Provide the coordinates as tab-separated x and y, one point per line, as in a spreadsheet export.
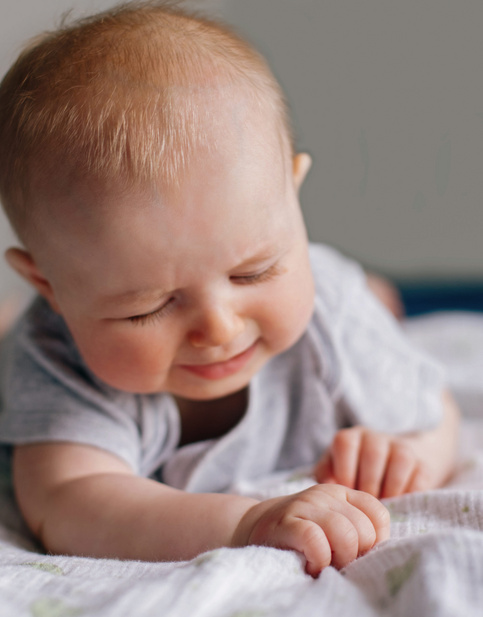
380	464
329	524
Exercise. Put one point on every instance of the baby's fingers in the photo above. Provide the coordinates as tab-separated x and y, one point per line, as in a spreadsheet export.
339	534
333	540
401	470
323	472
344	538
373	460
307	538
374	510
420	480
344	453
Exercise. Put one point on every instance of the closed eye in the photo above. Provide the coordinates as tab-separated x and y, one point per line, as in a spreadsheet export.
245	279
258	277
160	312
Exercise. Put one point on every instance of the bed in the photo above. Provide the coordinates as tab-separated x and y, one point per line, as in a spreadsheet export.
432	565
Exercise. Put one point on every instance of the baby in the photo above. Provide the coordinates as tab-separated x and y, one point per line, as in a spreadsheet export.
185	336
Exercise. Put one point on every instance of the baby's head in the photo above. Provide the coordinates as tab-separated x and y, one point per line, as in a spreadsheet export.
129	95
146	164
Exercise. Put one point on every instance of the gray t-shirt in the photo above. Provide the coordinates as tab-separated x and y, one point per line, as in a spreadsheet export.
353	365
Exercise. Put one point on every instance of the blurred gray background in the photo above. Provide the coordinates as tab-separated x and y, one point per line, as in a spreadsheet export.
387	97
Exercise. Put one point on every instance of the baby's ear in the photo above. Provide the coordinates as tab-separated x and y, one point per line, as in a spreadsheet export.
22	262
301	164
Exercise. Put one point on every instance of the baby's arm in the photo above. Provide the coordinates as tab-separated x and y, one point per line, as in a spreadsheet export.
81	500
389	465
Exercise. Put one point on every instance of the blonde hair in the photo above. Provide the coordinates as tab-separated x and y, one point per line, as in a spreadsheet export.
109	97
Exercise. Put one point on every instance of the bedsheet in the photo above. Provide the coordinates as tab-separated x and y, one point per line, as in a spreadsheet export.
432	565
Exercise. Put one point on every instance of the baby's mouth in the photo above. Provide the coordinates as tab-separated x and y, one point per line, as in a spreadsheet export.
219	370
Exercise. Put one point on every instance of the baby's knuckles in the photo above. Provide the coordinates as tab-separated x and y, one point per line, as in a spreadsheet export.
264	523
348	538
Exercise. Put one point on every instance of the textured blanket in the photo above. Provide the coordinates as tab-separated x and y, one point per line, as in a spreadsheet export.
432	565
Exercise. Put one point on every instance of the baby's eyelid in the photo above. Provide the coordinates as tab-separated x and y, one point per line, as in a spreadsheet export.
241	279
158	312
255	277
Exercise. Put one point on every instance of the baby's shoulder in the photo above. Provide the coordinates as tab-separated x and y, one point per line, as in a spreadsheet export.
39	346
39	326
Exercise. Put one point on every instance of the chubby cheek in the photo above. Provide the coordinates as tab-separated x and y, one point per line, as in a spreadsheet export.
125	357
292	305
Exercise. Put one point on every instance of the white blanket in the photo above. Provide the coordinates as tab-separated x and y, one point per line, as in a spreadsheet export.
432	565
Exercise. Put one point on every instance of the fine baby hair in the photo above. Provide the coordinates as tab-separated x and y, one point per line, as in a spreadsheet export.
119	96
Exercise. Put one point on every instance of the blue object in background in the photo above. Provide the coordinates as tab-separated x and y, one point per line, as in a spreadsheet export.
426	297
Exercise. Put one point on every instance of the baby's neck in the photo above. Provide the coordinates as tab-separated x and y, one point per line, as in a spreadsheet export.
201	420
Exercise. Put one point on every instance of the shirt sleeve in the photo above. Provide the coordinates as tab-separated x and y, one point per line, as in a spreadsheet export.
48	394
380	380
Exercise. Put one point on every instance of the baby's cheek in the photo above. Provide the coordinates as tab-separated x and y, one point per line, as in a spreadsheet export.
289	319
133	362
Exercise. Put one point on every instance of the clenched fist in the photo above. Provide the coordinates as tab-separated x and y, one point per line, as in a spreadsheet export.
329	524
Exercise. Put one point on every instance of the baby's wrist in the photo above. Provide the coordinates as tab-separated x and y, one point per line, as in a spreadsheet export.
254	526
243	530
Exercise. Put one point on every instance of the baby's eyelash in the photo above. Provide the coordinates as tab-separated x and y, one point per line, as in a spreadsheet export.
154	315
260	277
250	279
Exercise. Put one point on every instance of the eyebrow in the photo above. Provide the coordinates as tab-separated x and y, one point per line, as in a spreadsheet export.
153	295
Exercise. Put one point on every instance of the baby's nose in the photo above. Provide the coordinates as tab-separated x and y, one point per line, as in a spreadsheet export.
216	326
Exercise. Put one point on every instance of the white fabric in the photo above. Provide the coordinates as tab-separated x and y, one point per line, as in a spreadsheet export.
432	565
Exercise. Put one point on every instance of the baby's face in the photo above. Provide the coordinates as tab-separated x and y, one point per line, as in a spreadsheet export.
191	290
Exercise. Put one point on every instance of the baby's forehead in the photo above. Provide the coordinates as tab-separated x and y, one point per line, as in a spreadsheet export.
233	137
223	201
